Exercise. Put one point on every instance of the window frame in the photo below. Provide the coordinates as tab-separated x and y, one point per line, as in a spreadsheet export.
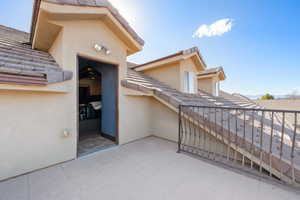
189	82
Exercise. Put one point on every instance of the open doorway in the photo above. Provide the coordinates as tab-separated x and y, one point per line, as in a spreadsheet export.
97	106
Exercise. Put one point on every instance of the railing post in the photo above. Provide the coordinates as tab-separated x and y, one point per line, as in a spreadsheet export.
271	144
252	139
179	129
293	149
281	144
229	137
261	140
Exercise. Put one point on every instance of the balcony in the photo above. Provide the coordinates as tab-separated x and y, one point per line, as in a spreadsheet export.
146	169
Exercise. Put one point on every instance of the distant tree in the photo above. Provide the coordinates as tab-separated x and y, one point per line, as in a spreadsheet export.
267	97
293	95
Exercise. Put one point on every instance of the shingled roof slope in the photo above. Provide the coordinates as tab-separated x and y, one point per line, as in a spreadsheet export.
139	81
95	3
13	34
19	63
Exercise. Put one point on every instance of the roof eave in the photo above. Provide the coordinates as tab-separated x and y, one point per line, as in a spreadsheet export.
220	74
140	67
36	8
135	37
173	58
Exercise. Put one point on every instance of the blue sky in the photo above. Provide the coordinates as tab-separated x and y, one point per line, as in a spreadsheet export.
260	53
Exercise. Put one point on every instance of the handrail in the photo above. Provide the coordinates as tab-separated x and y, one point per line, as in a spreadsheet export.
252	137
241	108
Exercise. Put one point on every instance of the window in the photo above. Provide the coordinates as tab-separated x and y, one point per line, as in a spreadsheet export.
189	82
216	89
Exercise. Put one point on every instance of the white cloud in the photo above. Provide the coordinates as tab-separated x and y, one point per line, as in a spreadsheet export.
217	28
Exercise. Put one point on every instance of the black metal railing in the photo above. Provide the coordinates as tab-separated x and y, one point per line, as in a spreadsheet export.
267	141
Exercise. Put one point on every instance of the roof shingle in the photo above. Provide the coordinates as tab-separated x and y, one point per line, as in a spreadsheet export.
13	34
19	61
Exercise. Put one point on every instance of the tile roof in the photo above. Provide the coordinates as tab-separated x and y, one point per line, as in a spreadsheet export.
182	52
131	64
140	82
214	70
13	34
99	3
20	64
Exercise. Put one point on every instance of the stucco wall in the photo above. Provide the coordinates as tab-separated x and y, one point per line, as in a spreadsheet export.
137	120
33	122
165	125
173	74
86	34
169	74
164	121
206	85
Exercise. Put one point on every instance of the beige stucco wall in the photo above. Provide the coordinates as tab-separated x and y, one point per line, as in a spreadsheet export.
164	121
165	125
173	74
206	85
169	74
86	34
33	122
136	121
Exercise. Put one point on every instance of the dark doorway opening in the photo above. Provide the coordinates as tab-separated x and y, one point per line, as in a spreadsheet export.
97	106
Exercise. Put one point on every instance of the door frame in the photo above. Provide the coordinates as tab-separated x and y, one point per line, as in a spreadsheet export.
117	92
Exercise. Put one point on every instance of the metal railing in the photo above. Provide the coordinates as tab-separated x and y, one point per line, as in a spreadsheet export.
261	140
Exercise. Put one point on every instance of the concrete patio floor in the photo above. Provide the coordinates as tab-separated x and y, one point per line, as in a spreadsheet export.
145	169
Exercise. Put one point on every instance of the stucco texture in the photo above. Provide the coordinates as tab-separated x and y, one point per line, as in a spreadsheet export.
169	74
34	122
206	85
